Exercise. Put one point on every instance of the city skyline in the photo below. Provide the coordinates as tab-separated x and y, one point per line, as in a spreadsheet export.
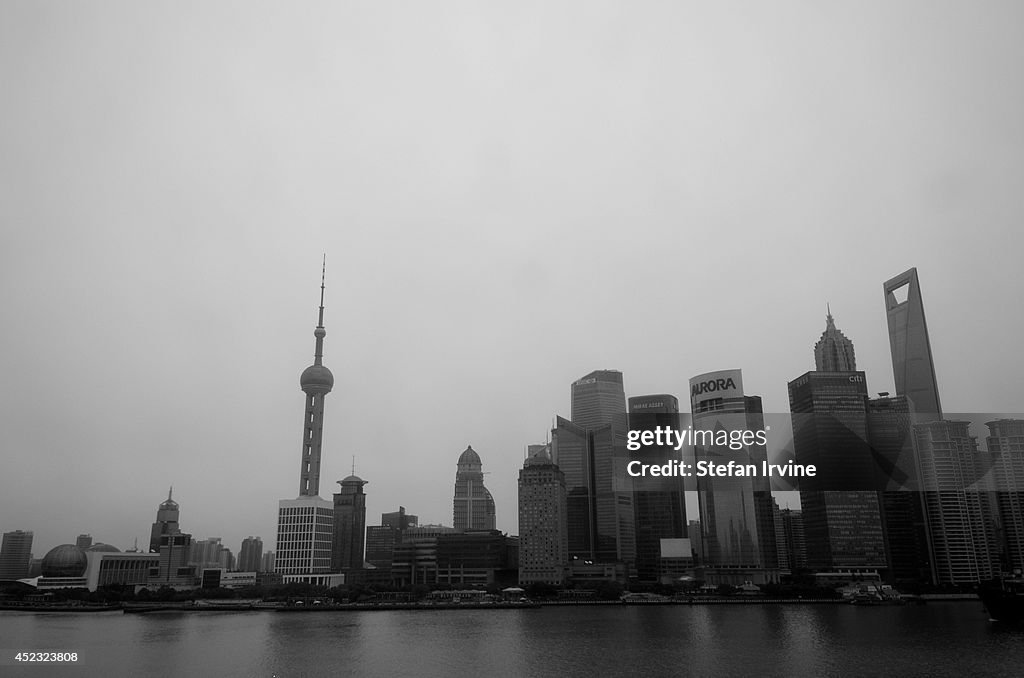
426	493
505	205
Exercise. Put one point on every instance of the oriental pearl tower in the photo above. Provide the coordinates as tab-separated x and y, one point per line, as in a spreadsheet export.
316	382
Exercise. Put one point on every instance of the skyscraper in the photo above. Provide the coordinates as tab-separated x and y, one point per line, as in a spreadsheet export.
590	450
15	553
659	503
305	525
840	505
173	546
570	451
736	512
842	512
473	505
543	545
912	364
166	522
598	399
349	525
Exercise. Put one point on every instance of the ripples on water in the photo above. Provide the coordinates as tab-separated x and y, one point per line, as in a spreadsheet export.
939	639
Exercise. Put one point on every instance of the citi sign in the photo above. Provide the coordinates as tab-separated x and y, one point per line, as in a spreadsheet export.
711	385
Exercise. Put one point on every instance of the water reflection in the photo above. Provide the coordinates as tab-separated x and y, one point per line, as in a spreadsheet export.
950	639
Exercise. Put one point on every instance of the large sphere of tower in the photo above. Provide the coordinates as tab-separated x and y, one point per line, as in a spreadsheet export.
316	379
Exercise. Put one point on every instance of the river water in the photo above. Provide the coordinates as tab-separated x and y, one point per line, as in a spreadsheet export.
938	639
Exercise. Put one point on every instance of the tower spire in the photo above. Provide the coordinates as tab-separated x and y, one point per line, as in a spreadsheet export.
320	332
834	351
323	277
170	492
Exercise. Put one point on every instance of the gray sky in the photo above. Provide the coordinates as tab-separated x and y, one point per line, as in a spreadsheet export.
510	195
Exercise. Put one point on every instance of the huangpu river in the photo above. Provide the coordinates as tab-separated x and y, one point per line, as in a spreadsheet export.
937	639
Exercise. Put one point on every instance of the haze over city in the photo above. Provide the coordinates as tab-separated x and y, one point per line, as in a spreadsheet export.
505	204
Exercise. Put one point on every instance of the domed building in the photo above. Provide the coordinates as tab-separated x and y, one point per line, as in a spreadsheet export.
474	506
66	560
100	547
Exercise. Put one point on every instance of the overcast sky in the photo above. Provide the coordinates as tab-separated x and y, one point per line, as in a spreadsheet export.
509	195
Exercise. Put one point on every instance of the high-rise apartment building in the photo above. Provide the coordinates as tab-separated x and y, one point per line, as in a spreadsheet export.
903	521
250	556
959	502
15	554
912	364
349	525
226	559
207	553
305	525
790	540
659	503
473	506
736	512
1005	443
543	543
